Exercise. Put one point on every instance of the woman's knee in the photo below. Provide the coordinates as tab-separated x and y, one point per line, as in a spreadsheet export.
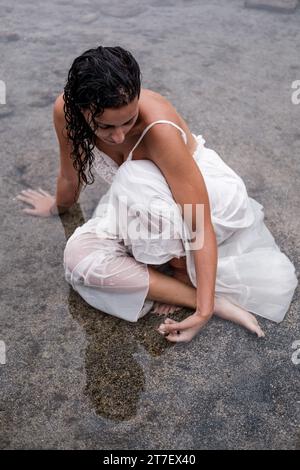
91	261
71	255
78	249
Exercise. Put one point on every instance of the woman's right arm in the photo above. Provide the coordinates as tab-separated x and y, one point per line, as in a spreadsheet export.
44	204
67	179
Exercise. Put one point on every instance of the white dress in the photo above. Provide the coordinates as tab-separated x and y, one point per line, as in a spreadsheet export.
107	265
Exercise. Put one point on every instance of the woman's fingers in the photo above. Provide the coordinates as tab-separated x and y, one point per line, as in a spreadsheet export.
32	192
162	329
189	322
175	336
39	199
178	336
44	192
30	211
27	191
167	328
31	196
27	199
35	193
170	321
26	195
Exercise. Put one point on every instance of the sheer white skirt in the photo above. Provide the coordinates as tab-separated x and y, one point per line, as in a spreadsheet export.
107	264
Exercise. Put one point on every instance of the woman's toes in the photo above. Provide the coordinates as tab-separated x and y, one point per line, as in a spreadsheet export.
173	308
255	328
158	308
259	332
165	309
176	309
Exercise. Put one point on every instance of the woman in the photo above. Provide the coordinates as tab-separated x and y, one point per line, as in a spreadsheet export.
228	264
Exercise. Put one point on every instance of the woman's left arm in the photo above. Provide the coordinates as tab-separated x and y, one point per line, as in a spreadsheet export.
171	155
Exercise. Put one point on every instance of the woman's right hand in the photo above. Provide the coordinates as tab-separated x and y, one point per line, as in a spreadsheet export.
41	201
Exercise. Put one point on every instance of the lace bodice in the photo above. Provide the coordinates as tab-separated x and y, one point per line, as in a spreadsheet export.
104	166
107	168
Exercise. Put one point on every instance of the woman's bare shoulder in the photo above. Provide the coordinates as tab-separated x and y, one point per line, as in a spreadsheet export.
158	107
156	104
58	108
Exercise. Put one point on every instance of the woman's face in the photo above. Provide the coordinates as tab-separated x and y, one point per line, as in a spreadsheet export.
114	124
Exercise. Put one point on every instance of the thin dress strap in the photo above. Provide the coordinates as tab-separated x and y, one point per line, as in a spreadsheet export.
148	127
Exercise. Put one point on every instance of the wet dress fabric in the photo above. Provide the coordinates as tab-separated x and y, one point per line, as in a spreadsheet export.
106	262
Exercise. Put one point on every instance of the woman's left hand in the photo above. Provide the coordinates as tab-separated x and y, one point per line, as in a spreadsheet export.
182	331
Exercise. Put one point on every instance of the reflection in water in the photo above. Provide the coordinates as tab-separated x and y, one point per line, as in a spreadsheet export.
115	380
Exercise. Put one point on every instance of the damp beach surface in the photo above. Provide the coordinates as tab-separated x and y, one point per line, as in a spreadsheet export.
76	378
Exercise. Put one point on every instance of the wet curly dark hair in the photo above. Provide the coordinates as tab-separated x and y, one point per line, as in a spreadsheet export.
105	77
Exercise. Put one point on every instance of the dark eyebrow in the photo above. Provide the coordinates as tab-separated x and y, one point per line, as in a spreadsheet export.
110	125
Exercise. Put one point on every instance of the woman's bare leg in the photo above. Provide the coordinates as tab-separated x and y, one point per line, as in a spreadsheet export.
178	266
171	290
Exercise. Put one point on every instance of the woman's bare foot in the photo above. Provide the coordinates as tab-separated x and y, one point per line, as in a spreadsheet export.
229	311
223	308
